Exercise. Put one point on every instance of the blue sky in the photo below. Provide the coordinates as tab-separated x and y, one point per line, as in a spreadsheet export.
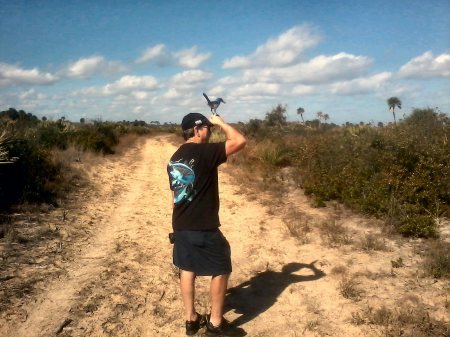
152	60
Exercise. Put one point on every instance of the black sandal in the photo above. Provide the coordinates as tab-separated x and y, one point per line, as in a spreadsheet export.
192	327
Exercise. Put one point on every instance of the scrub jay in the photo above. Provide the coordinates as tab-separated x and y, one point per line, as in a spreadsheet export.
214	104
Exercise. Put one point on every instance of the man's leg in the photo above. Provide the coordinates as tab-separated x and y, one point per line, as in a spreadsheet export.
218	290
187	285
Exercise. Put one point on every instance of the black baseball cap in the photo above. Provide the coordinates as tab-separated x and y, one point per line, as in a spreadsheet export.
194	119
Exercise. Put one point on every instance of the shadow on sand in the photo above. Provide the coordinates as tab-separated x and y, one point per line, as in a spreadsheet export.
258	294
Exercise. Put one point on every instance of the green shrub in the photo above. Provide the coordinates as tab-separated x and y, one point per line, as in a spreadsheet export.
35	169
53	134
277	116
419	226
38	174
273	154
100	138
374	169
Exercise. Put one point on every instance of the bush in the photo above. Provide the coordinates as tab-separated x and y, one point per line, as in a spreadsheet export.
397	172
37	174
100	138
273	153
276	117
35	170
401	172
50	135
418	225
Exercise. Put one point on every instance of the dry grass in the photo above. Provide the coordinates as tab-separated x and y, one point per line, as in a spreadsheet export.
339	270
437	259
315	320
299	225
405	320
334	234
350	289
72	175
126	142
312	325
372	242
31	249
397	263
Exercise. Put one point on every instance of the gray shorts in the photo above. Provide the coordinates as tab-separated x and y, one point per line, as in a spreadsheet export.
206	253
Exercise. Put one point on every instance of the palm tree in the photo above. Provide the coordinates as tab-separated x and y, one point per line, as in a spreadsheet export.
394	102
326	117
301	111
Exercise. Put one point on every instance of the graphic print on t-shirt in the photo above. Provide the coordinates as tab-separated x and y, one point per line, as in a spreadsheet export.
182	179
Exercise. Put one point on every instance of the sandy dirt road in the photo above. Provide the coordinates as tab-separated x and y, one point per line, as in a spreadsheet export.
119	279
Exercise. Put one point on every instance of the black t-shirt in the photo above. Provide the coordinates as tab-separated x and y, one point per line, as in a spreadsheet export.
193	178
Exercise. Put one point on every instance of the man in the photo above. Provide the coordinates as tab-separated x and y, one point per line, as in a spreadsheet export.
199	246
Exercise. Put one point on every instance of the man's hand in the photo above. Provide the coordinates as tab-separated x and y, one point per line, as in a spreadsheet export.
216	120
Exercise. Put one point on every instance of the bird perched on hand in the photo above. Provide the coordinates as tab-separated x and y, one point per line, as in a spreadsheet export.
213	104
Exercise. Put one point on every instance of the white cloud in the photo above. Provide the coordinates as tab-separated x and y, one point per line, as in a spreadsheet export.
191	77
303	90
361	85
156	53
136	85
216	90
304	78
140	95
427	66
257	89
328	68
189	58
129	83
12	75
90	91
321	69
138	110
315	76
280	51
237	62
31	94
86	67
278	68
29	100
171	94
229	80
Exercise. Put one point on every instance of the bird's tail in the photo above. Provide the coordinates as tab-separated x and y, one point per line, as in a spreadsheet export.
209	102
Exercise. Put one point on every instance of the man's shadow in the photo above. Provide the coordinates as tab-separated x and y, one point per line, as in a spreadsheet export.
258	294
